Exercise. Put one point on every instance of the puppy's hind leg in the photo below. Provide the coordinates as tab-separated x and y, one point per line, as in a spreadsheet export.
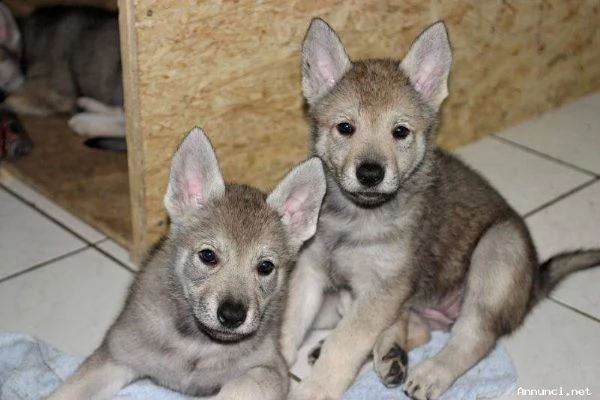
334	307
98	378
498	291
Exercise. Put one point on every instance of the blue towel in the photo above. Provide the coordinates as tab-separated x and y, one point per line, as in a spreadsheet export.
31	369
492	377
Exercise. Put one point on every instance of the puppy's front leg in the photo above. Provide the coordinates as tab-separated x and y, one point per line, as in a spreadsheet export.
348	346
305	297
98	378
259	383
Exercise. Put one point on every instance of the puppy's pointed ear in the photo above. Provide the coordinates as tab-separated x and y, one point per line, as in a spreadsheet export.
297	199
324	60
427	64
195	177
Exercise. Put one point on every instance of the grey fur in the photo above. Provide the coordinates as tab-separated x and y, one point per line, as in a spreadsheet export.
11	76
70	55
68	52
170	329
432	245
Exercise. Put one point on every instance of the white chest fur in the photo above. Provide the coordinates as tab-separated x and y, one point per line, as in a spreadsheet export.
363	245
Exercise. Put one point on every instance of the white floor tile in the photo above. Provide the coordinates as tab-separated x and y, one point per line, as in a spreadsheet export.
28	238
557	348
118	252
571	133
526	180
69	304
52	209
301	368
570	224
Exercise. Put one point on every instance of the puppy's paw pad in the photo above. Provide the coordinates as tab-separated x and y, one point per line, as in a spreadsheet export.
392	366
315	353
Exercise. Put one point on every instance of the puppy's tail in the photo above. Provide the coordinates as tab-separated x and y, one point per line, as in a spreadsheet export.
553	270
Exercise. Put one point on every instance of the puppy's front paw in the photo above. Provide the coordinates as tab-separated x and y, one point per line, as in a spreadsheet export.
428	380
391	366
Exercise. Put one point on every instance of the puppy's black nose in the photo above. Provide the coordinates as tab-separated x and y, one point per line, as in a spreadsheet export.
231	314
370	173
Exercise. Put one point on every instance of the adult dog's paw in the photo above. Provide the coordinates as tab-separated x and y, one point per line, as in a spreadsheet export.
85	124
92	124
428	380
97	107
391	365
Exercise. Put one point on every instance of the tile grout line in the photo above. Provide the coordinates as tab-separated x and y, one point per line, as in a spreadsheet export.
114	259
97	242
561	197
544	155
89	244
96	246
582	313
45	214
44	263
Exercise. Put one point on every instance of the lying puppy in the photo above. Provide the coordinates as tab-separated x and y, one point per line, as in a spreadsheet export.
421	241
203	316
71	58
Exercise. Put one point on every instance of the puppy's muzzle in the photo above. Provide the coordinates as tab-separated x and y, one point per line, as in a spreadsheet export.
231	314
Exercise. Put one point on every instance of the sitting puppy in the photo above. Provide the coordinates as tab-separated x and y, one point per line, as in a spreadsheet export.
203	316
419	239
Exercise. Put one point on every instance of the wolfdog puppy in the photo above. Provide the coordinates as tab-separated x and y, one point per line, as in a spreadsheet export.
203	316
418	239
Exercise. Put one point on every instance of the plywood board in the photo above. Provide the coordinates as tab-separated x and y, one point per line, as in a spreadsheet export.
233	68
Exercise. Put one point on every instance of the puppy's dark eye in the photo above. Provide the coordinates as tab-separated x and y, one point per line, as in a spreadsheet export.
345	128
265	267
400	132
208	257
